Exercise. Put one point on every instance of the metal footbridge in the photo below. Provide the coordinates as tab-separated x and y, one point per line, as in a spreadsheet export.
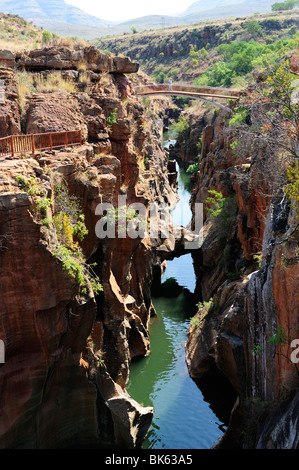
206	94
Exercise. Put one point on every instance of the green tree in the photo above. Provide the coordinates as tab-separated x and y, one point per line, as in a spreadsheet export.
287	5
253	27
47	37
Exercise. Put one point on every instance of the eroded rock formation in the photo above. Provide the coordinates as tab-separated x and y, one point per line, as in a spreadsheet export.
245	303
67	351
66	58
10	121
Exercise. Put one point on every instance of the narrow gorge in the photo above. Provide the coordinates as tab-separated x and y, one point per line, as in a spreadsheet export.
84	319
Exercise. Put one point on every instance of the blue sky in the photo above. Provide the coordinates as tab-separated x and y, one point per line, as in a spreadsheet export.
122	10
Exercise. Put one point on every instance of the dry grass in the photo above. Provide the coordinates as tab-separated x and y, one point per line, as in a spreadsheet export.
71	42
84	78
82	66
53	82
18	46
105	79
25	87
67	42
29	83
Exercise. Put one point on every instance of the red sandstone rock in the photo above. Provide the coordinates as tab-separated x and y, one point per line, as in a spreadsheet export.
64	58
294	63
7	59
54	112
71	400
10	121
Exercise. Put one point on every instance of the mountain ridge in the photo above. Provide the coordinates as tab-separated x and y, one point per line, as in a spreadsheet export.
62	18
56	11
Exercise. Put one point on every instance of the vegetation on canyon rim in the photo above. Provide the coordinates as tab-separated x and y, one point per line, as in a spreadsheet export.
219	52
276	127
268	118
275	100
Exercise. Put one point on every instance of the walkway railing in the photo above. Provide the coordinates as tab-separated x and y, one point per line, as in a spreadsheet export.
32	143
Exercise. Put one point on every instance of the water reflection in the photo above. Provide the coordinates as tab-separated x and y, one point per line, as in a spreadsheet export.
182	418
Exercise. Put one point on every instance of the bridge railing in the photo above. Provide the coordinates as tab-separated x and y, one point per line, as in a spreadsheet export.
140	89
31	143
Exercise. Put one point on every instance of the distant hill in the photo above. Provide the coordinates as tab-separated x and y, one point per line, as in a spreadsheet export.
212	9
50	13
65	20
17	35
185	52
204	5
201	10
149	22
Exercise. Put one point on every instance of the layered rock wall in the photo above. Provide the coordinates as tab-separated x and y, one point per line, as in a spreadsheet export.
246	303
10	120
66	58
68	351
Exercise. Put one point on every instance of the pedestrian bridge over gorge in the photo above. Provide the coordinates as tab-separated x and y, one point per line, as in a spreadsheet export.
203	93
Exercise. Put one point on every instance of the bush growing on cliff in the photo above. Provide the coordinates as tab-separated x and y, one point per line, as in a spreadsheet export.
222	212
193	169
253	27
292	188
69	224
204	307
30	185
182	128
216	199
240	116
282	338
112	118
46	37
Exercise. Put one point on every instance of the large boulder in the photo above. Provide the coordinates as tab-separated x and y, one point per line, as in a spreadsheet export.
7	59
54	112
65	58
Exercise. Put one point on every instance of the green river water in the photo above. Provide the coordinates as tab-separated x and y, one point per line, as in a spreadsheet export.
183	419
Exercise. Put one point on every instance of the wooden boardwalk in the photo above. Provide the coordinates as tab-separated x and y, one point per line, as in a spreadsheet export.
31	143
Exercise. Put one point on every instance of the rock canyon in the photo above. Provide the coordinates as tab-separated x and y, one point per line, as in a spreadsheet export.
69	340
